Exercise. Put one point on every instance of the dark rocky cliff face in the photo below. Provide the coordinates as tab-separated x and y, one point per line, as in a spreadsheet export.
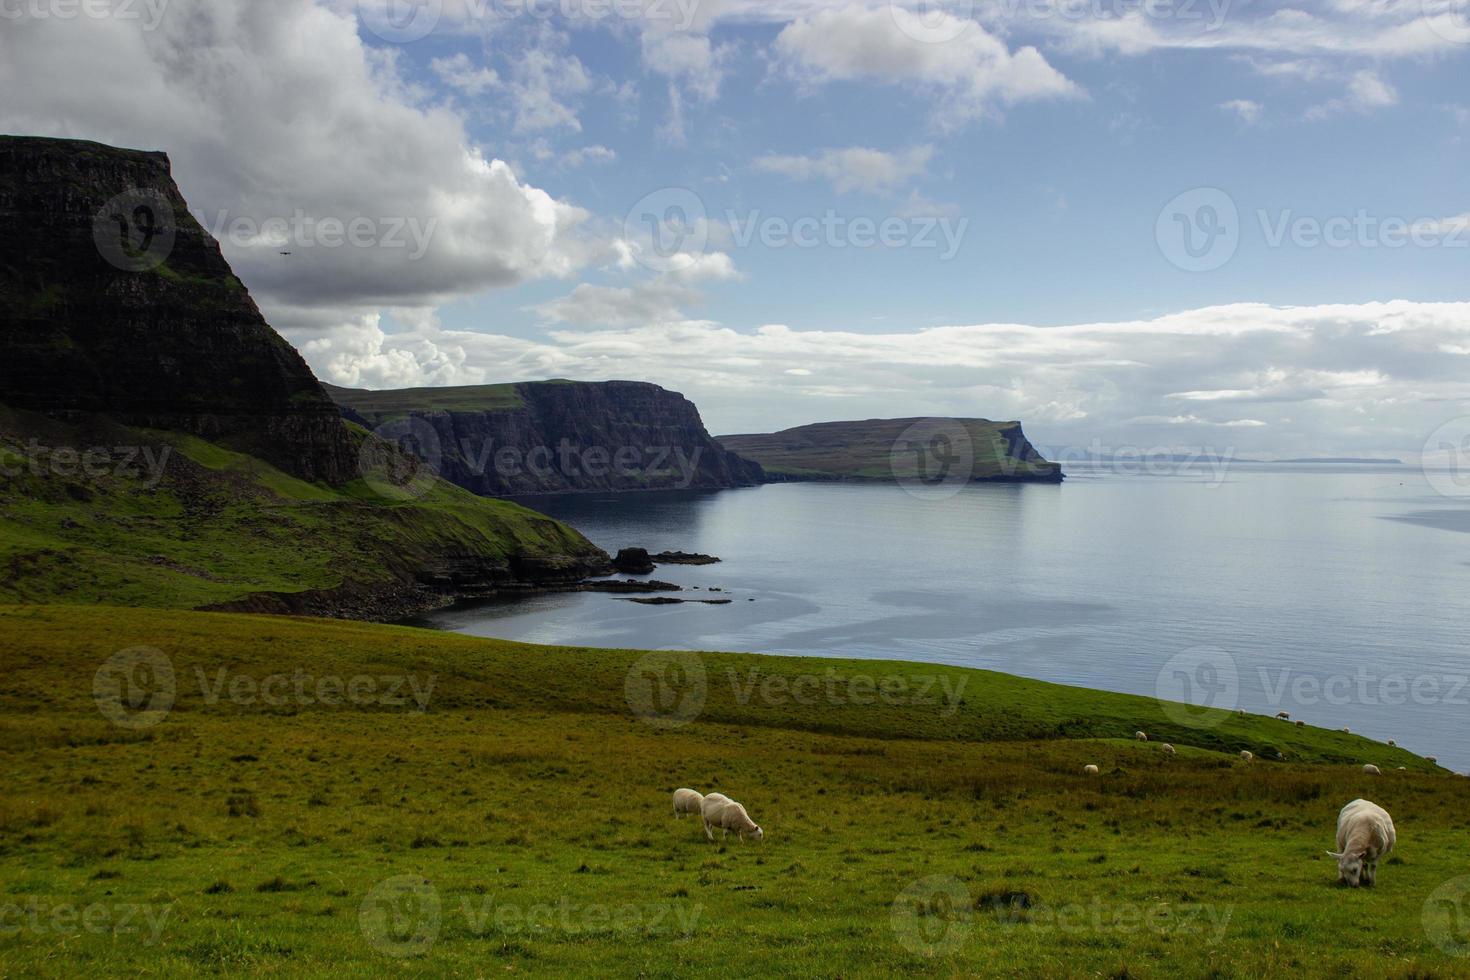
114	300
556	437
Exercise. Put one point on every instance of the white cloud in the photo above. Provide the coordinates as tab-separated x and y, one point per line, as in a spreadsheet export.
661	299
1366	91
542	149
1356	378
1376	30
690	59
1194	420
460	74
619	306
270	108
544	86
970	73
855	168
694	67
1245	110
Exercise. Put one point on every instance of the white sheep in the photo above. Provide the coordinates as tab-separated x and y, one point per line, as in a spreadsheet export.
1168	749
1392	744
1301	724
1247	755
1372	770
1284	715
1431	759
728	815
687	801
1403	768
1089	770
1240	712
1364	835
1346	731
1141	736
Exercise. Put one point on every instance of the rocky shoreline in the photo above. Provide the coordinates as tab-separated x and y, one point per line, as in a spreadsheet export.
469	579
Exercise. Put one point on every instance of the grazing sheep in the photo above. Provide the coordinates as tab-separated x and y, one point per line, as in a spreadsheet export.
1089	770
728	815
1301	724
1284	715
1240	712
1247	755
1392	744
1364	835
1140	736
1168	749
687	801
1403	768
1346	731
1372	770
1431	759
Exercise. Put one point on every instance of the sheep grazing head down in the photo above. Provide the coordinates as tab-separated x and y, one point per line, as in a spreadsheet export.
1349	868
757	833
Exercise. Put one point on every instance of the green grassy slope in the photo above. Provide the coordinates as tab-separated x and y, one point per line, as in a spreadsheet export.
882	449
524	816
383	406
217	526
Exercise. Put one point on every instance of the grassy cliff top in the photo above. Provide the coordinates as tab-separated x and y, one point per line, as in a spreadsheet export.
384	405
885	449
165	519
269	824
404	401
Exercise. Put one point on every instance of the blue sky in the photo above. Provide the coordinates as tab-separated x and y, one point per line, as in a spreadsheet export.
1041	151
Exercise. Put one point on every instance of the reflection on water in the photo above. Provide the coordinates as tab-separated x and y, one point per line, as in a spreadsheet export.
1295	572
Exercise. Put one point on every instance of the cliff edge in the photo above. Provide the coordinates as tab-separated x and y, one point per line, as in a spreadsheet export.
554	436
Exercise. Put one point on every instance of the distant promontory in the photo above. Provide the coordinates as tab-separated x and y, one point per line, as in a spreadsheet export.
888	450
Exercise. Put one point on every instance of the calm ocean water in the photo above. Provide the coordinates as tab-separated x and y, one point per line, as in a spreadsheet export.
1340	594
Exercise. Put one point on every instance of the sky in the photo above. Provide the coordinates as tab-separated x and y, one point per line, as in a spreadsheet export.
1188	224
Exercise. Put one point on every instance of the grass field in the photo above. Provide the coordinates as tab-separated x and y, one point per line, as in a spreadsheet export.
520	823
167	519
